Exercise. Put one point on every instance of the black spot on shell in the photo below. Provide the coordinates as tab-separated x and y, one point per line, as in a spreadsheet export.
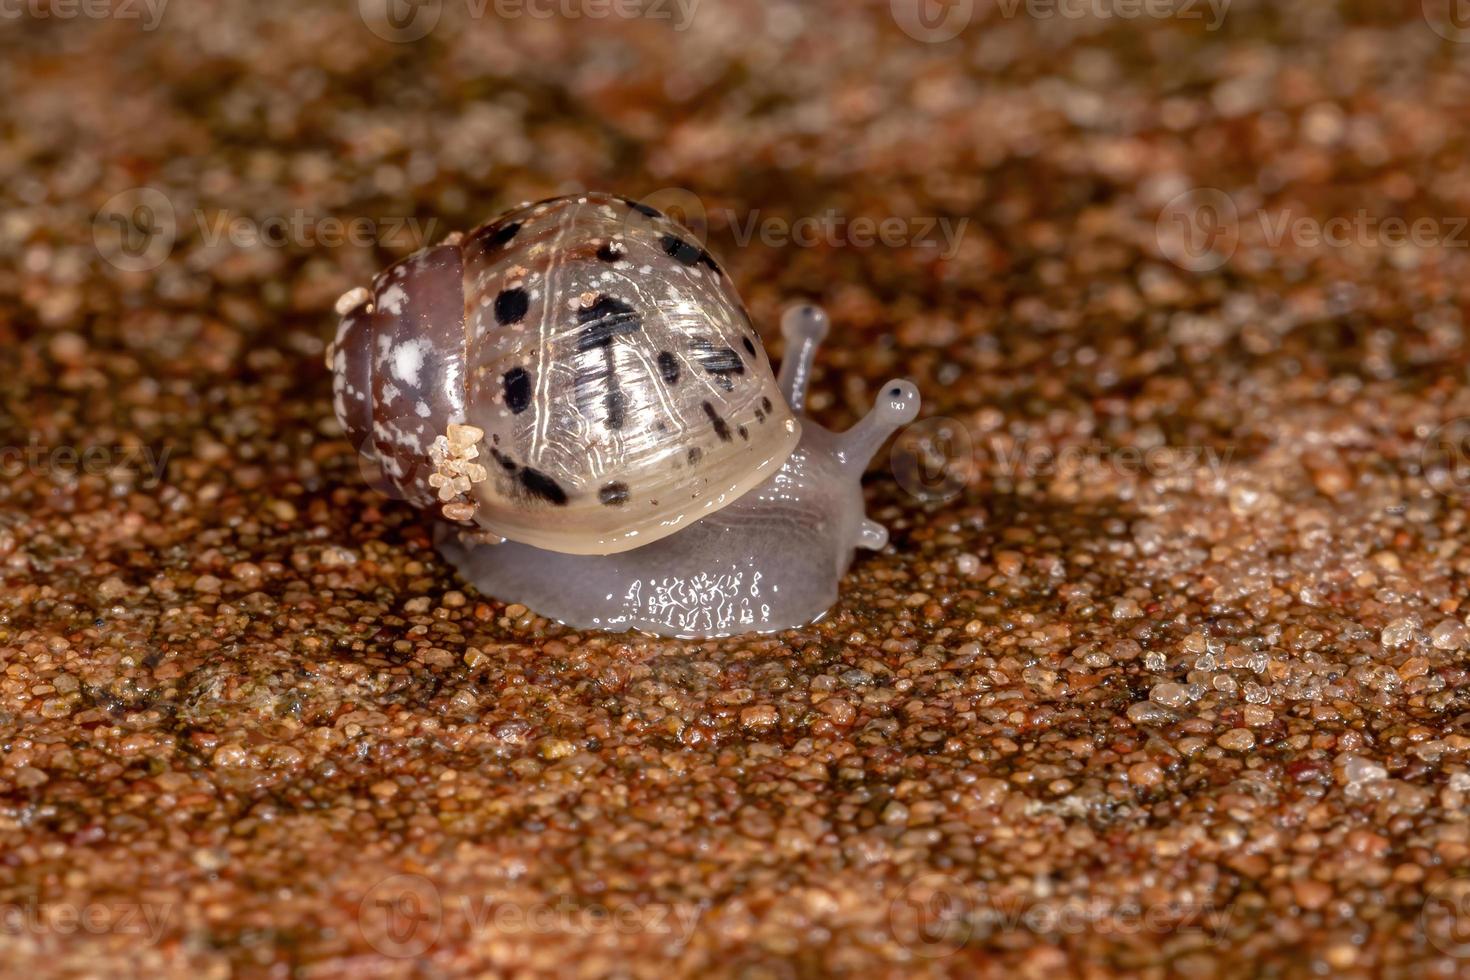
501	236
613	494
765	403
668	366
716	359
681	251
517	384
719	361
540	485
744	433
506	463
643	209
748	345
896	392
722	428
609	252
694	455
605	319
511	306
616	404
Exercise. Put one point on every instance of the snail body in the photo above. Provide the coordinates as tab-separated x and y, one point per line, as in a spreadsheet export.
578	387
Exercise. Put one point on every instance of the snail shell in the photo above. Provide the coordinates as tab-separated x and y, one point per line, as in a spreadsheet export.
578	375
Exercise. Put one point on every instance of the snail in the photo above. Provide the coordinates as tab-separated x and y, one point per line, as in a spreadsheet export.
578	388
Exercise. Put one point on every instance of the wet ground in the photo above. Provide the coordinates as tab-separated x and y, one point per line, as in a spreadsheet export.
1164	671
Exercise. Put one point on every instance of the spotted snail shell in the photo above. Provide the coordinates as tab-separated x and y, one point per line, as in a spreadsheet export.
578	375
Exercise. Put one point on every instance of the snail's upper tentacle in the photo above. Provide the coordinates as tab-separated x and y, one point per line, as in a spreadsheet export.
804	327
896	405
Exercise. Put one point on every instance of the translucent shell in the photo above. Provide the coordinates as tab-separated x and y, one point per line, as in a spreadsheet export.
599	387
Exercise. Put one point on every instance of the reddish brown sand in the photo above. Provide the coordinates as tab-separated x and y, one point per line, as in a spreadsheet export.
1181	690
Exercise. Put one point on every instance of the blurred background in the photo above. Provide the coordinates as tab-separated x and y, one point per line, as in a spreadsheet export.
1033	160
1174	601
1079	200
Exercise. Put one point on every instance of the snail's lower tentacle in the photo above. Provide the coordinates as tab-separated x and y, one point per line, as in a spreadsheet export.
897	404
872	535
804	327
